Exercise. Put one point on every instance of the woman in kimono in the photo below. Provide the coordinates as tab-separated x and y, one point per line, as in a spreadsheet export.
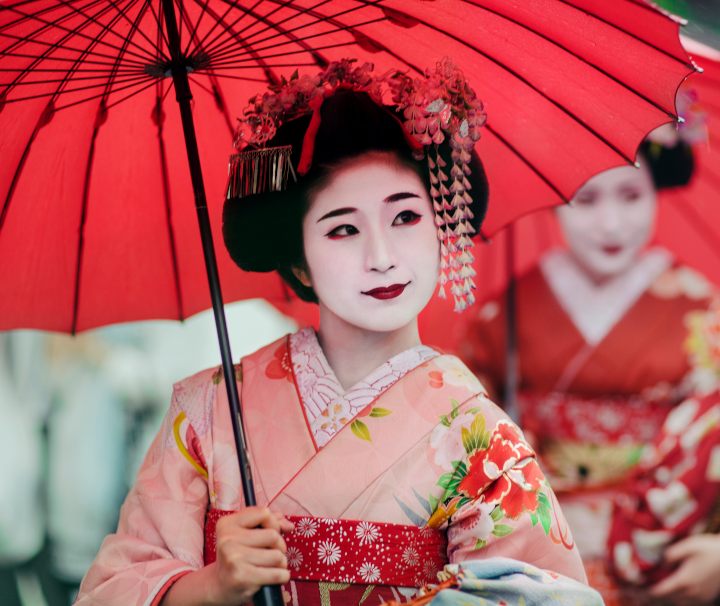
376	460
611	337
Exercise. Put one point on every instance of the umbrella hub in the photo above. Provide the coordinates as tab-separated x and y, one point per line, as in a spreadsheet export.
190	63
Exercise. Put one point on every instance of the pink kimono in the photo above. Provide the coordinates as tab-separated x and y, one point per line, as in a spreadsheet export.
409	469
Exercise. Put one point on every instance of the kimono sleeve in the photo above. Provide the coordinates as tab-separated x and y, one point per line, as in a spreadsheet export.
160	534
497	500
674	492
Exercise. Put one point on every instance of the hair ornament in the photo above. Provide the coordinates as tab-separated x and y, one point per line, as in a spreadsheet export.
435	108
691	127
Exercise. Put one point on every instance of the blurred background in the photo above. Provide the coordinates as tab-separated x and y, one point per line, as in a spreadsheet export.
78	414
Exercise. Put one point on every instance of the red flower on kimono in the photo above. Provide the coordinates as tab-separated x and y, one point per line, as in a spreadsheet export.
279	367
505	472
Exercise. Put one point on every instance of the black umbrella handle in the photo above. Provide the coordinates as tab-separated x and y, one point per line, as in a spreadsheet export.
267	595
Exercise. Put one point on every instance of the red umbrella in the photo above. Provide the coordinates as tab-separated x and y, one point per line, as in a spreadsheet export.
95	216
96	213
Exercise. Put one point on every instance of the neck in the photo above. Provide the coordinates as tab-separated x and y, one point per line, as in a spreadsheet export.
353	352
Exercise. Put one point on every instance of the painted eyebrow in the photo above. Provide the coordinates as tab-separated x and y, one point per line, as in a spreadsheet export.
403	195
337	212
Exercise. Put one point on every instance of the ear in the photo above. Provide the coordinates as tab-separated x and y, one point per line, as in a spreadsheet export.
303	276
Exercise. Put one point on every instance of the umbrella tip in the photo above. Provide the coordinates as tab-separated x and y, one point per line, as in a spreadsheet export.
680	120
636	164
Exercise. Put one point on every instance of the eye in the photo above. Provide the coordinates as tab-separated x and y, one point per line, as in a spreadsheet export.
630	195
342	231
585	198
407	217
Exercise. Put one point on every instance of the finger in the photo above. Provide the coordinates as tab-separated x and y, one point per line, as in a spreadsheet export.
681	550
286	525
264	558
675	583
271	576
251	537
248	517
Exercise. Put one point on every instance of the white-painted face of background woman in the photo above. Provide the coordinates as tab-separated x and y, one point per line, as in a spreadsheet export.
610	221
370	244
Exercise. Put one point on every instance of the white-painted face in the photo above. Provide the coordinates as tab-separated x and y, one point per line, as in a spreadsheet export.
370	244
610	220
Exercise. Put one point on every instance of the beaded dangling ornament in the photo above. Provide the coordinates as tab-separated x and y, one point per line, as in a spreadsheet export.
437	106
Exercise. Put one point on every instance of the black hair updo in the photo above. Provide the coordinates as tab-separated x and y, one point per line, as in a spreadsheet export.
263	232
669	166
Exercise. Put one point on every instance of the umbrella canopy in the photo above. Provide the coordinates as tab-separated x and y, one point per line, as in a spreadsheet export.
688	221
96	216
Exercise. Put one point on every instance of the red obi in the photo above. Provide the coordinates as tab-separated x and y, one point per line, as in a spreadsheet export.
354	551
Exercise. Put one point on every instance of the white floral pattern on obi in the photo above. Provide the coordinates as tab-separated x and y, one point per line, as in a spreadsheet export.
328	406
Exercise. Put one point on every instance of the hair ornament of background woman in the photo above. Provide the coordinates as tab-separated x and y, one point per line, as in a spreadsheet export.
436	108
669	148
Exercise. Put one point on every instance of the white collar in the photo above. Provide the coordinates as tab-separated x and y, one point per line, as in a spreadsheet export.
596	309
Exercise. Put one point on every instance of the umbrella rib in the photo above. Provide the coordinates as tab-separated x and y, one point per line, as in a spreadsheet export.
143	9
191	27
270	76
98	85
630	34
75	90
217	46
330	19
44	55
217	41
62	70
216	22
29	16
124	41
43	119
248	79
229	55
196	28
527	163
77	33
160	26
236	63
99	121
55	46
522	79
617	80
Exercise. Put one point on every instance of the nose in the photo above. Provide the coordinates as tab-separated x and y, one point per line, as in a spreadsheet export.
379	255
610	219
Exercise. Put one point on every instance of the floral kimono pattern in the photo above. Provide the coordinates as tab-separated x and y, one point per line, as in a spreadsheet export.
600	368
675	492
427	452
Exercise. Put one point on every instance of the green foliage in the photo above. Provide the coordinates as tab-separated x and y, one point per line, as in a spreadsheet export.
502	530
497	513
450	481
544	512
475	438
360	430
380	412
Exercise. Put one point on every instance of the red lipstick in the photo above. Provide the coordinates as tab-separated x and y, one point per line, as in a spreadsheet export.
612	249
386	292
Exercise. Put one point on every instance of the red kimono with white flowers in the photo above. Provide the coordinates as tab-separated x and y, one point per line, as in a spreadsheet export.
409	469
600	367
